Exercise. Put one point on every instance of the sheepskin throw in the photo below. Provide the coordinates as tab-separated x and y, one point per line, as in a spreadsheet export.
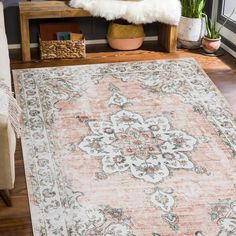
137	12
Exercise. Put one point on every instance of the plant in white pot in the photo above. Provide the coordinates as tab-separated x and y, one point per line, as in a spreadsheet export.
212	40
191	26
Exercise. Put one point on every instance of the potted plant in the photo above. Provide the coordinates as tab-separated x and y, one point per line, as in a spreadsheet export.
191	27
211	41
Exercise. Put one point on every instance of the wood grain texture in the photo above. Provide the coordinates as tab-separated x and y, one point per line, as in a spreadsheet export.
5	195
16	220
25	38
167	35
60	9
50	9
42	10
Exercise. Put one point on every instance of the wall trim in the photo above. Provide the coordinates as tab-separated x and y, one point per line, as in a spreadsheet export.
228	43
229	50
88	42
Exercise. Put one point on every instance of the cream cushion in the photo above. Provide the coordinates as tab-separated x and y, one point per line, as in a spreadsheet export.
7	135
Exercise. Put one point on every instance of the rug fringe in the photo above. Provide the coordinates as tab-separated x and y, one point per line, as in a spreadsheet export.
14	110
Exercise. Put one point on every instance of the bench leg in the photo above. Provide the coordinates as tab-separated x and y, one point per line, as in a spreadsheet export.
25	38
5	195
167	37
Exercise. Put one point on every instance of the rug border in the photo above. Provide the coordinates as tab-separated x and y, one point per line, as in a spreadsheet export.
14	75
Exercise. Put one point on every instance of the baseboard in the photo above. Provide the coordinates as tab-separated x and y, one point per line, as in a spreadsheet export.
88	42
228	49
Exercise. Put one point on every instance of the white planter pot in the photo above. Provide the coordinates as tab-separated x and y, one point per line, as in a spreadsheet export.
190	32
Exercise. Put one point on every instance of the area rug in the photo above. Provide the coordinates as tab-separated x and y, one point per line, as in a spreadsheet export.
128	149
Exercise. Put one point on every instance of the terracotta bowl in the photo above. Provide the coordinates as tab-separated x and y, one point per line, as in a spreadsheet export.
125	44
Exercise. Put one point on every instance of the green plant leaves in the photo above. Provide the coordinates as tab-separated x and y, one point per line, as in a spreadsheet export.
212	31
193	8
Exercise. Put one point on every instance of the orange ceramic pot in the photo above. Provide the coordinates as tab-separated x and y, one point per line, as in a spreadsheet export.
211	45
125	44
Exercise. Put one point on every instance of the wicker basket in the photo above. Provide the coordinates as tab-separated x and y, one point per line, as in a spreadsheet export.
119	31
125	37
62	49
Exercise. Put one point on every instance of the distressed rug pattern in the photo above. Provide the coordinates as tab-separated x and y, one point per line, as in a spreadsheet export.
128	149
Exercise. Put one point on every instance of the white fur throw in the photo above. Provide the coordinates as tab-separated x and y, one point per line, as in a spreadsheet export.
137	12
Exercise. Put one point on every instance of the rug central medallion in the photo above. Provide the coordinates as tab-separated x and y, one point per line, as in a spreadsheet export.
148	148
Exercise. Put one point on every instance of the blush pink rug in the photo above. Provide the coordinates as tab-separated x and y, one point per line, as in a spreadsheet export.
128	149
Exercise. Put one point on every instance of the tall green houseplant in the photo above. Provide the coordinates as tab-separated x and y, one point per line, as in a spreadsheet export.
191	26
193	8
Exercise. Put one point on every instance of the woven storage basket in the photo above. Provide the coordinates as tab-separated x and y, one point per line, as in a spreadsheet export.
62	49
125	37
118	31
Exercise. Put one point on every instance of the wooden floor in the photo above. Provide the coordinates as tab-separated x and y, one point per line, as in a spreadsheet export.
15	221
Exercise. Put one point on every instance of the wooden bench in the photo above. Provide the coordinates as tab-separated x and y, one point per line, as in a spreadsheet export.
59	9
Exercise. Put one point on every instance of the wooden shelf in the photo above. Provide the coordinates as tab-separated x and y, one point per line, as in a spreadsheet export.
59	9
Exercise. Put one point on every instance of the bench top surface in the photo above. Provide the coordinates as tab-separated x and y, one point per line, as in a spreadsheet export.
48	9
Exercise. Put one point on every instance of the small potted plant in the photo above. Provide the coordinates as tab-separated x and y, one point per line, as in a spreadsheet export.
212	40
191	26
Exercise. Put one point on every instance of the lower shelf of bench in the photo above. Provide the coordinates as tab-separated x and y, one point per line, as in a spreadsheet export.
167	34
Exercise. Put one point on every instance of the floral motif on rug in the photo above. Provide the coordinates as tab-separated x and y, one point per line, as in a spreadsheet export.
128	149
146	147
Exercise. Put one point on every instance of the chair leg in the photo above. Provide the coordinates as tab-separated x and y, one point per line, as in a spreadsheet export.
5	195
